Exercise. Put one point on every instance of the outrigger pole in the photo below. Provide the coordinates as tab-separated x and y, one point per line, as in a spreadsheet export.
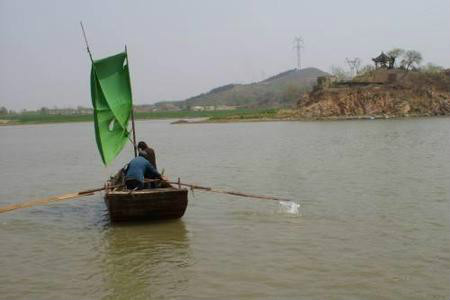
129	82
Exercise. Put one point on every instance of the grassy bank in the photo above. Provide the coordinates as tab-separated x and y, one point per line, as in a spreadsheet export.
217	114
40	118
250	114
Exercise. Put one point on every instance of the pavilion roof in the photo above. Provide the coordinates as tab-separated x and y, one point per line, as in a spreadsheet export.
381	58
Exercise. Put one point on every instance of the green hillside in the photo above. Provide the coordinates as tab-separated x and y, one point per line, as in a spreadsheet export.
280	90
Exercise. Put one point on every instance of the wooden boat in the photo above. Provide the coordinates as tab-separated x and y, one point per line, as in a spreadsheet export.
164	202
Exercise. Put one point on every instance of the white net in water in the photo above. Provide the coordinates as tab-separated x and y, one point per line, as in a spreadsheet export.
289	207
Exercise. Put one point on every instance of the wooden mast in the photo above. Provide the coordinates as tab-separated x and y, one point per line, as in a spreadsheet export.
86	41
132	106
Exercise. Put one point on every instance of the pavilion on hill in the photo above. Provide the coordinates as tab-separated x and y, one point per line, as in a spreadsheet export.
384	61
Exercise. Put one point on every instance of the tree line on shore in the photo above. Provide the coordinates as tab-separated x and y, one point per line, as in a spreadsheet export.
80	110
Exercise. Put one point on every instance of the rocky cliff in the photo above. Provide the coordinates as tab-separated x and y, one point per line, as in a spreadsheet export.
380	93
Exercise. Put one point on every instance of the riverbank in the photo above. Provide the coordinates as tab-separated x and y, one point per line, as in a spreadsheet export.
292	115
245	116
6	122
31	118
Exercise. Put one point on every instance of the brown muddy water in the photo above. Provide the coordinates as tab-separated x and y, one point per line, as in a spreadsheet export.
374	219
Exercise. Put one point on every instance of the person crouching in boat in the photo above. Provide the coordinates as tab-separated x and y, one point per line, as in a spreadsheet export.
137	170
147	152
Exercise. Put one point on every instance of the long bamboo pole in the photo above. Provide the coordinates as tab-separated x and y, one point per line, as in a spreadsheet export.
69	196
47	200
233	193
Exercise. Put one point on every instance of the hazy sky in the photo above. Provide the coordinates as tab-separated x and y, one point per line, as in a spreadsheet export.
178	49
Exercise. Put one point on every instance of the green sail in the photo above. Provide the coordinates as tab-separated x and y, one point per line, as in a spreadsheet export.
111	99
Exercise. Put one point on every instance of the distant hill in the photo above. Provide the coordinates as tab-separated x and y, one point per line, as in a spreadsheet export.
280	90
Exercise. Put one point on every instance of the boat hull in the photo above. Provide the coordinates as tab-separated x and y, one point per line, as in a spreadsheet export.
146	205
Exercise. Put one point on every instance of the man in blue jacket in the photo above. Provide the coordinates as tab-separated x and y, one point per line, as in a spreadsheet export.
138	169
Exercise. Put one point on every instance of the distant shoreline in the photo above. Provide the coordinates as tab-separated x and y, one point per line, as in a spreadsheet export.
33	118
233	119
296	119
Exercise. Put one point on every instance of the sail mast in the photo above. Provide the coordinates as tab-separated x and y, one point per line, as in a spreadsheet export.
132	106
85	39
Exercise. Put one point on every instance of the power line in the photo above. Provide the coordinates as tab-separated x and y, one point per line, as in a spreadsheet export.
353	64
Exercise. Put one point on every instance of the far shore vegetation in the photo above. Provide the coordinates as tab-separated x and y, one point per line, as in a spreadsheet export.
44	117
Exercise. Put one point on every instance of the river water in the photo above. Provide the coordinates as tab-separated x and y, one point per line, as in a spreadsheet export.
374	220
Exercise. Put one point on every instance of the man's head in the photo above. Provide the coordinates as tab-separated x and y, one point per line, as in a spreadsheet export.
142	145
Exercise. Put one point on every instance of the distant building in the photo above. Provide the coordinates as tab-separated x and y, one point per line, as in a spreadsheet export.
167	107
225	107
384	61
197	108
144	108
212	107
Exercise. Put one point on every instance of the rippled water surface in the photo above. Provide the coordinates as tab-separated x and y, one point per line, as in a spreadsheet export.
373	223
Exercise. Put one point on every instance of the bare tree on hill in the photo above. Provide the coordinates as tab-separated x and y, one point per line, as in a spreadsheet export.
396	53
340	73
411	58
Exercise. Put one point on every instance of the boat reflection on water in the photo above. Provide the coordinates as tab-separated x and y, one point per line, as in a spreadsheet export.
146	260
